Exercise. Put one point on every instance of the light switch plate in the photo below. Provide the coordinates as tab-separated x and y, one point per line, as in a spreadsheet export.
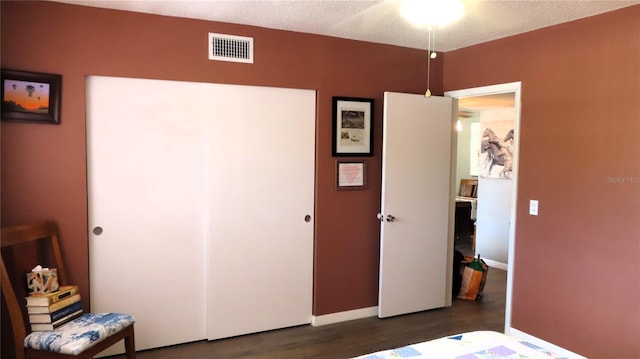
533	207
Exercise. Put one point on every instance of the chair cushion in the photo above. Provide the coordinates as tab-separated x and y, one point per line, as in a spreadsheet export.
79	334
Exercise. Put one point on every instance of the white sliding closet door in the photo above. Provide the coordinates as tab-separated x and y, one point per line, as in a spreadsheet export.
146	179
261	190
202	193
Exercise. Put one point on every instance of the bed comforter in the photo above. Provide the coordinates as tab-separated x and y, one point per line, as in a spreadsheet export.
471	345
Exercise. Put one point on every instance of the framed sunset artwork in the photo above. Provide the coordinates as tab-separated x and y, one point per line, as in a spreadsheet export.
30	97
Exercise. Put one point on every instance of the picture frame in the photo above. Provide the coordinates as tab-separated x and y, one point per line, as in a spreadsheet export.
352	126
351	175
30	97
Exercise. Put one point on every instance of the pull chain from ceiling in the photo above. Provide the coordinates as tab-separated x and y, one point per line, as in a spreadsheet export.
431	54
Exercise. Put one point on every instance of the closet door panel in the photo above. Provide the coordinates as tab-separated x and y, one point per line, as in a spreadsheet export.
261	189
146	172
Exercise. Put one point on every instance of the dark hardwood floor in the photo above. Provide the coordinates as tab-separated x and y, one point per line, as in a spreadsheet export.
356	337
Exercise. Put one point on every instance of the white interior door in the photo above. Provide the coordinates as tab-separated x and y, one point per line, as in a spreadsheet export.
260	244
416	203
146	171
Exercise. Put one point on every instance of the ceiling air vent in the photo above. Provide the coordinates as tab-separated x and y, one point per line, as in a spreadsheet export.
230	48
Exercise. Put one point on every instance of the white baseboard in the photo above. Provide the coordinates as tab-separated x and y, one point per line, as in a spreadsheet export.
317	321
544	344
494	264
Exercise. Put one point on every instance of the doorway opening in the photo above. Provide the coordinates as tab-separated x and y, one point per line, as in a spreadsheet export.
483	113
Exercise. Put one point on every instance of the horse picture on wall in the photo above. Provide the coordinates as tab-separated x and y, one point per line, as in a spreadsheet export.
496	151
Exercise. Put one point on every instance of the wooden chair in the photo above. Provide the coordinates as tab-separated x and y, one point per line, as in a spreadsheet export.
77	339
468	188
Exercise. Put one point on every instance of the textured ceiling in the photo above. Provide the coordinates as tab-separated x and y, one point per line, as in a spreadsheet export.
375	20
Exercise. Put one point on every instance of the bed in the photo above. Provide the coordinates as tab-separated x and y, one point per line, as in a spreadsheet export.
471	345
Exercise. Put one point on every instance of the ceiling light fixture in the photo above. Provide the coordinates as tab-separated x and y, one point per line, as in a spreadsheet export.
431	13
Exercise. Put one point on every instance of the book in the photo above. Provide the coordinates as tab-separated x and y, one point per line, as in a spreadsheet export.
52	317
39	327
53	297
37	309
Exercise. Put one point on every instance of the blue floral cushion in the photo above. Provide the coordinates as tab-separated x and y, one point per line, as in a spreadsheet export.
79	334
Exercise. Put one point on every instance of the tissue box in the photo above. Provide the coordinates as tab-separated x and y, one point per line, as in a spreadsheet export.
44	281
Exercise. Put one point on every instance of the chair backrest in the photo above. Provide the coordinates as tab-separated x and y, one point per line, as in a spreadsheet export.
24	247
468	188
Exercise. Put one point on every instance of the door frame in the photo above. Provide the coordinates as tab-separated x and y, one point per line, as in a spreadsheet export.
514	87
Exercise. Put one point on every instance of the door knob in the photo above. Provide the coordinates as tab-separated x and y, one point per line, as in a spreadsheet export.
380	216
390	218
97	230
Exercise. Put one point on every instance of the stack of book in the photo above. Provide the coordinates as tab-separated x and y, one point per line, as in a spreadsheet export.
50	310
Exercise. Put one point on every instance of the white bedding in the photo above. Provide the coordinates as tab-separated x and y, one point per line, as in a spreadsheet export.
471	345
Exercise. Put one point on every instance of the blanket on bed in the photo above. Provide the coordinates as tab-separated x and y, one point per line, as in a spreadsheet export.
471	345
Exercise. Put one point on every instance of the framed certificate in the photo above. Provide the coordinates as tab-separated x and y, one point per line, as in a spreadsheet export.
351	175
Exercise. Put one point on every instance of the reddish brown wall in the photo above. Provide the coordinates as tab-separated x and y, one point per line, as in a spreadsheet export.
575	277
576	264
44	167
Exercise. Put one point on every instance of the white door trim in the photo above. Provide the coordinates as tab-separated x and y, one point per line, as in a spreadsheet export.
514	87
